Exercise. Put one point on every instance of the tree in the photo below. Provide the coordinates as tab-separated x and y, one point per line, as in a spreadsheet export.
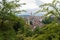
46	8
8	19
47	20
51	32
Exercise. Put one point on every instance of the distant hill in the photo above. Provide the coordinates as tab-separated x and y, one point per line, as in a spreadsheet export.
24	16
29	11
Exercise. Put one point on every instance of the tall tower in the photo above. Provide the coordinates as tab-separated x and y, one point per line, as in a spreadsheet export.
31	13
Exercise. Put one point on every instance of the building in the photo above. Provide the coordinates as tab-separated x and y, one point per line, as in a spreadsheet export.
34	21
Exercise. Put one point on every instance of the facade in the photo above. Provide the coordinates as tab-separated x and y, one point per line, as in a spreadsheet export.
34	21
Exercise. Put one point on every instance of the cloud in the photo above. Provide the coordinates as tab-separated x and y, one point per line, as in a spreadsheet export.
30	4
46	1
38	2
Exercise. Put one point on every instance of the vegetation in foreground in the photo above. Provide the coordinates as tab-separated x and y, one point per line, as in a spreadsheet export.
15	28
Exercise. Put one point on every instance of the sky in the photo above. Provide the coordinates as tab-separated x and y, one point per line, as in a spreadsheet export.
32	4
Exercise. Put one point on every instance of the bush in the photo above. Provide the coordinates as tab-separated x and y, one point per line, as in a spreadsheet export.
51	32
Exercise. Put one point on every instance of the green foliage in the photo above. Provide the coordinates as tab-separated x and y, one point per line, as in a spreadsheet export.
46	8
9	22
28	31
37	30
15	28
47	20
51	32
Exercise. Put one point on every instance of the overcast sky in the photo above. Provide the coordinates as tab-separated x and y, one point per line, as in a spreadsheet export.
32	4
